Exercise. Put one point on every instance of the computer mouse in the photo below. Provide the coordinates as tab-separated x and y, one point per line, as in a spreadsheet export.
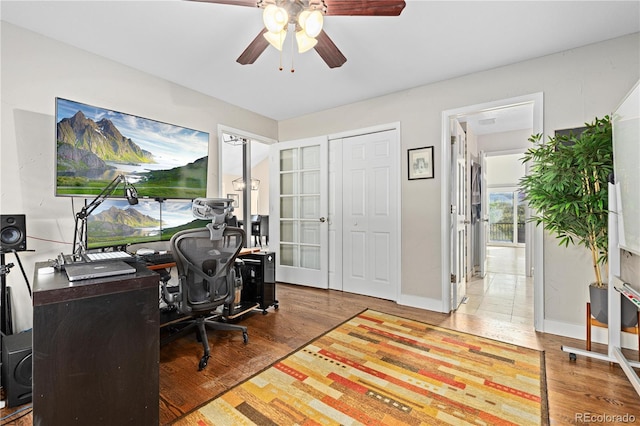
145	251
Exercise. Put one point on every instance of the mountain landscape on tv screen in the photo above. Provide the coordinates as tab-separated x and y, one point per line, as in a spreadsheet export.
117	226
91	153
129	222
85	140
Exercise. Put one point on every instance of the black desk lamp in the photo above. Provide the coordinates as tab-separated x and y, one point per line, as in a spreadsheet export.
81	217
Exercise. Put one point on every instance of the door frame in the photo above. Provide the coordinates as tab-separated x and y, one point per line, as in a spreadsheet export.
535	233
336	227
484	212
458	267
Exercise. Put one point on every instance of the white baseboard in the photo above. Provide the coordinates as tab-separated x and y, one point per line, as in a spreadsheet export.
598	334
420	302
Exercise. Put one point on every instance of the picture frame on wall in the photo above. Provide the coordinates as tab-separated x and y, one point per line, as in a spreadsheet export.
236	200
420	162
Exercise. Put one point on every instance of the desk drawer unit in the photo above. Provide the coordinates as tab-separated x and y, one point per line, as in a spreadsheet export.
96	351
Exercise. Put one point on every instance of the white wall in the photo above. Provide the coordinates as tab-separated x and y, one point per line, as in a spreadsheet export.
35	70
578	85
505	141
504	170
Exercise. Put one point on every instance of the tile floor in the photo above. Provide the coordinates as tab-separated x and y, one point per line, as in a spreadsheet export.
505	293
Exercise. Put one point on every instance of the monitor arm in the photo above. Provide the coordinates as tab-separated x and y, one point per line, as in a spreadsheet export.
81	217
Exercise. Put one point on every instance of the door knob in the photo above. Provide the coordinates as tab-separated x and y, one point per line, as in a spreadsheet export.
322	219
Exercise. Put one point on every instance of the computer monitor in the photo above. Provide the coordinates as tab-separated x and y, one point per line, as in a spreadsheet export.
115	223
176	216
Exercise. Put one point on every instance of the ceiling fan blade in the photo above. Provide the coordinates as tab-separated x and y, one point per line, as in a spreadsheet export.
254	49
250	3
364	7
328	51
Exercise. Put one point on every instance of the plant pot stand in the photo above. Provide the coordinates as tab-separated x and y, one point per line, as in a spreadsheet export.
591	321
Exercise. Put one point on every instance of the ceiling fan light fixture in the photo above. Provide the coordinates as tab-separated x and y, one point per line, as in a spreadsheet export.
304	41
276	39
311	22
275	18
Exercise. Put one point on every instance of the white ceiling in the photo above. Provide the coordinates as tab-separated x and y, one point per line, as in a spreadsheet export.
196	44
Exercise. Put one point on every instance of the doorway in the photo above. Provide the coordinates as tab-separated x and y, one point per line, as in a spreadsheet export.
505	293
506	216
244	177
476	119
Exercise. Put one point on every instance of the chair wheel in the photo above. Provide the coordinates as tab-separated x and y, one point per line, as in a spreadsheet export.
203	362
245	338
572	357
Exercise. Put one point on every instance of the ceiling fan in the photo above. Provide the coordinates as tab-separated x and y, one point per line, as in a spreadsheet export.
306	16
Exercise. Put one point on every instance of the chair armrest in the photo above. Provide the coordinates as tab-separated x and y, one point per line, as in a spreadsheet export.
172	297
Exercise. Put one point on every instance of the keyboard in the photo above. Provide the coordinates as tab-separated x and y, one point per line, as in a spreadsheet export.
93	257
158	258
107	255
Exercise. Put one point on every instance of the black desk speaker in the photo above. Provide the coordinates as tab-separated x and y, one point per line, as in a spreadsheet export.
17	367
13	232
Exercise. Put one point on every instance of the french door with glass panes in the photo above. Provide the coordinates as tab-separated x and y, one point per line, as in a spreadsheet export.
298	226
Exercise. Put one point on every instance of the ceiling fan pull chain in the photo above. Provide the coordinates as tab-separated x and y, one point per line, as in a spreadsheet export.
293	53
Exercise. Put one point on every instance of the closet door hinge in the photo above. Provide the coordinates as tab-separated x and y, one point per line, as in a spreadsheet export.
453	139
454	278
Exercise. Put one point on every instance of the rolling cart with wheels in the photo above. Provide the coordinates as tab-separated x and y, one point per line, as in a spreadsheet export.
259	280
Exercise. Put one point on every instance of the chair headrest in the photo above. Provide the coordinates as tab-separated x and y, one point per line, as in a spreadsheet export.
214	209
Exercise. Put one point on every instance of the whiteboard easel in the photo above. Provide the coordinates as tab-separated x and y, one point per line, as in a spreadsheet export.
616	288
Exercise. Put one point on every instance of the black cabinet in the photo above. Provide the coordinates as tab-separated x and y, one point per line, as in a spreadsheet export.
96	350
259	279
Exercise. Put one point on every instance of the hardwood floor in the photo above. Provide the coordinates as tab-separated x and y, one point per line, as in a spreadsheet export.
576	389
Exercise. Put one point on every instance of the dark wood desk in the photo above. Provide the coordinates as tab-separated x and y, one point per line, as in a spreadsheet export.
96	349
243	252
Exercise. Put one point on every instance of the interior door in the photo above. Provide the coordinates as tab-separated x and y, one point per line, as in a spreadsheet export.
298	227
484	215
335	214
370	208
458	214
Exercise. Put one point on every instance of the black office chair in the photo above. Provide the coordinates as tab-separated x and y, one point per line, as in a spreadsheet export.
259	229
208	278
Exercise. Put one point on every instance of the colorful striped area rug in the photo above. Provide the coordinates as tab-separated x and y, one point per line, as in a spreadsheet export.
380	369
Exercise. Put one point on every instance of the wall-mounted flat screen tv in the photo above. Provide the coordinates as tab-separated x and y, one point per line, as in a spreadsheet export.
94	145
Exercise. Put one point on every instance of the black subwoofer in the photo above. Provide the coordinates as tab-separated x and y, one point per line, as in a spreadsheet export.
17	367
13	232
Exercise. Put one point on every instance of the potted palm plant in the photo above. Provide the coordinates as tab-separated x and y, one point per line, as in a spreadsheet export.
568	188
